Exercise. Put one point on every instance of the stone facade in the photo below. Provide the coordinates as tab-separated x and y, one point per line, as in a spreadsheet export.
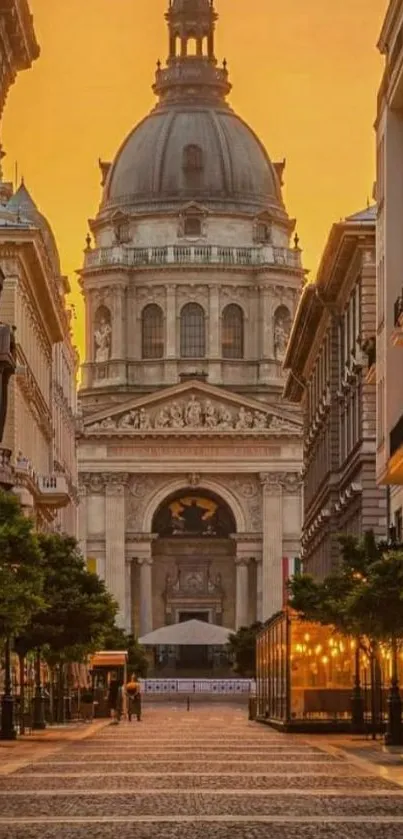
389	135
18	45
41	418
190	284
331	377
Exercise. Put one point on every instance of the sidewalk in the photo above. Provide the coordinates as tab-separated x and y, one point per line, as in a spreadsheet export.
31	747
372	755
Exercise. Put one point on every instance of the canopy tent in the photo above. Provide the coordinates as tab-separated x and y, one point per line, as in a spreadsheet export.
192	633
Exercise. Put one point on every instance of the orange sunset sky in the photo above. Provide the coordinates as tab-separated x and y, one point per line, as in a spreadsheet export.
305	75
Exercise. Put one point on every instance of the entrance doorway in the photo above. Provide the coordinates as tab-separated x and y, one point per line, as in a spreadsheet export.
193	658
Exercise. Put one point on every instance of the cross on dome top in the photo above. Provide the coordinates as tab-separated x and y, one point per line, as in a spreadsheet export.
191	70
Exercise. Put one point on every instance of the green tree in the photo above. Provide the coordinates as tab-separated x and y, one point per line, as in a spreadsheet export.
242	648
118	639
78	609
21	568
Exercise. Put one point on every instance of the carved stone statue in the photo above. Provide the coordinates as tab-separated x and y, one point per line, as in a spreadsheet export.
259	420
245	420
130	420
282	329
103	341
211	416
177	420
193	413
226	421
163	419
145	422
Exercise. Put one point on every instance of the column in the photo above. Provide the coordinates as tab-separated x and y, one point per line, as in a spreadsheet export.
118	323
82	519
259	589
242	592
272	570
146	595
115	564
171	350
129	605
214	323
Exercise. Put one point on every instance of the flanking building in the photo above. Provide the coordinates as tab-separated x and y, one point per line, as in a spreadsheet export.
18	45
330	375
389	326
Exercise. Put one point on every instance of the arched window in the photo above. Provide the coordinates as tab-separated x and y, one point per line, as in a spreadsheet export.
193	331
191	46
232	332
192	158
152	332
192	226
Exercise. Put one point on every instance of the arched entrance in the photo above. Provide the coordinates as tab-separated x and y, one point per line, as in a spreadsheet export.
194	569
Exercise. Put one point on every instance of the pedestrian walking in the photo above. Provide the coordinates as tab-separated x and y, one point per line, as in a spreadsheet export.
115	699
133	691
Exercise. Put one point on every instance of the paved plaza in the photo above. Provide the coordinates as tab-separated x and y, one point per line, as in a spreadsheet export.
206	773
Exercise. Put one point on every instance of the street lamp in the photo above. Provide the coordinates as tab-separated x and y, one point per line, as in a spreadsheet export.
8	730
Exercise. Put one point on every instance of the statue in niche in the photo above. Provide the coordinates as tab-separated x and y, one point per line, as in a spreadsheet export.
103	340
211	417
163	419
130	420
282	330
193	413
176	416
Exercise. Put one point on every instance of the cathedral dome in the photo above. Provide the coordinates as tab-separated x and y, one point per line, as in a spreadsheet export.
193	153
192	147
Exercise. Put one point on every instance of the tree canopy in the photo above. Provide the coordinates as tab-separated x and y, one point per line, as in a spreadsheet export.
118	639
21	568
242	646
78	609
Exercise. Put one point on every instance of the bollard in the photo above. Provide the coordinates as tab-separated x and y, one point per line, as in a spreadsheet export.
188	703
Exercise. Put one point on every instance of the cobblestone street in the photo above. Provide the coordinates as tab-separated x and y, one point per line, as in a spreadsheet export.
207	773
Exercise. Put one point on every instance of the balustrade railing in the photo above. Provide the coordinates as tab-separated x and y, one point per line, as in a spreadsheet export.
223	687
193	255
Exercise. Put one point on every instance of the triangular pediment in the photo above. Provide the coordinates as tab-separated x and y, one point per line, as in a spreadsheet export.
193	408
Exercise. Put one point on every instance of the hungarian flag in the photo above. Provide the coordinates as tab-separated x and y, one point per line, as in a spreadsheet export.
291	567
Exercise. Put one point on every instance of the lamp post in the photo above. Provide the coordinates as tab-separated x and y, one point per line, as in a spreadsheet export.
357	699
8	730
39	723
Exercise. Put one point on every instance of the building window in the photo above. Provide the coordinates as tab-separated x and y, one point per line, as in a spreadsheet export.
193	331
232	332
263	232
152	332
193	158
192	226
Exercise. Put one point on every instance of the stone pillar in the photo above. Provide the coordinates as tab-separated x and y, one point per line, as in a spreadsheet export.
146	595
171	332
118	323
129	605
115	560
214	322
82	519
242	592
272	570
259	589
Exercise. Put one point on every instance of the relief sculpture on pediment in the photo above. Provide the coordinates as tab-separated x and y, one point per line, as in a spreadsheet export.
198	415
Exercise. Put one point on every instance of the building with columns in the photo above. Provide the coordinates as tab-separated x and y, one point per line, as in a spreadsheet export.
330	364
18	44
389	349
189	460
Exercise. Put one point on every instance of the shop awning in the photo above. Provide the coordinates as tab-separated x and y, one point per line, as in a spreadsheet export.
108	659
192	633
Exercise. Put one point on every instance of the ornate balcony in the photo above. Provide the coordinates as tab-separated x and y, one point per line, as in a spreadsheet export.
53	490
171	255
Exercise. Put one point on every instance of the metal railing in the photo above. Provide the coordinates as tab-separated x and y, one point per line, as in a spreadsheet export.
222	687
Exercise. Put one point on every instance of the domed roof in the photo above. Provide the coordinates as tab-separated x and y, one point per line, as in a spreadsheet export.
234	170
192	147
24	205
